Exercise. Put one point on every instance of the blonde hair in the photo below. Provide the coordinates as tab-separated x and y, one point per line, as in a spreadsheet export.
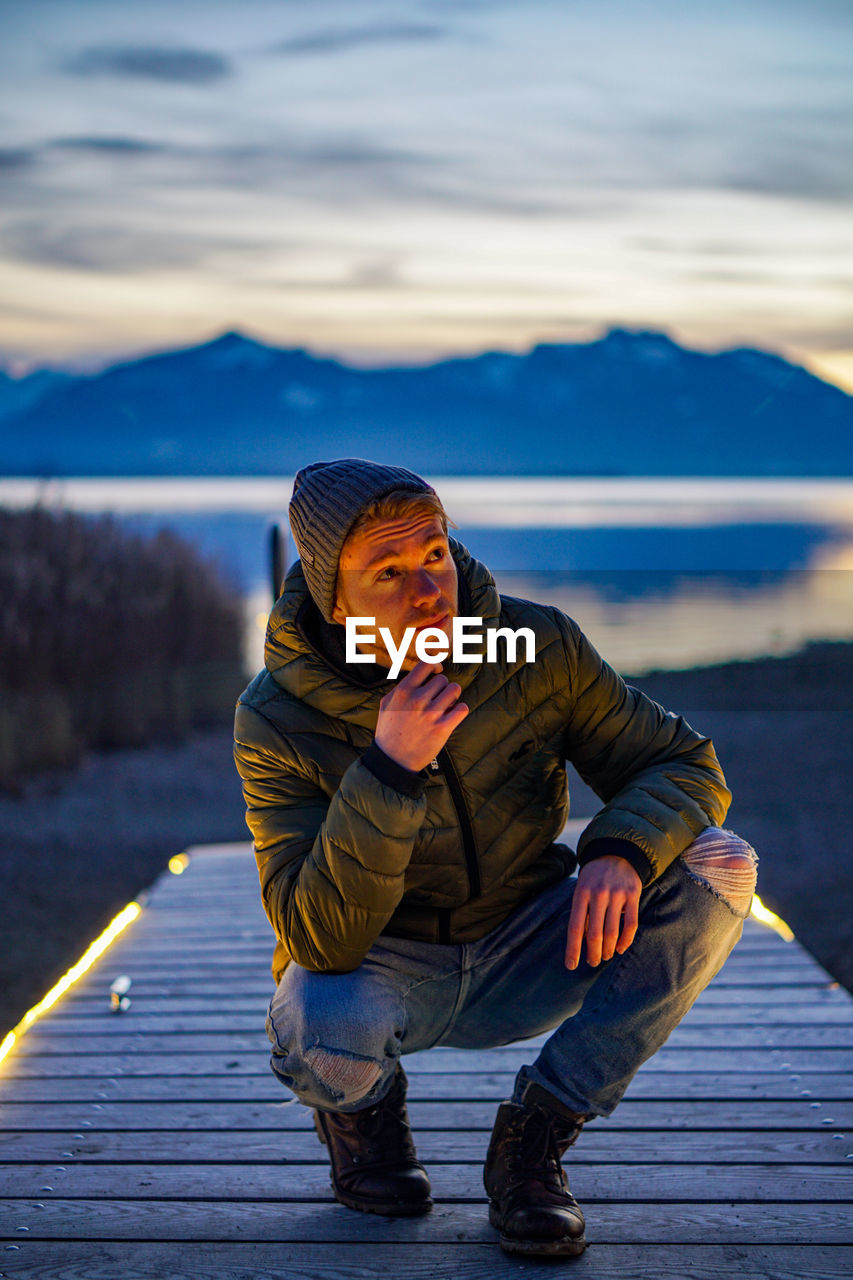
400	503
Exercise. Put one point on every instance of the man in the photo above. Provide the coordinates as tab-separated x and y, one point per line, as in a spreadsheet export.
405	836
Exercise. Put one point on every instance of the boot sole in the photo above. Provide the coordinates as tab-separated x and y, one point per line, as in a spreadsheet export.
541	1248
391	1209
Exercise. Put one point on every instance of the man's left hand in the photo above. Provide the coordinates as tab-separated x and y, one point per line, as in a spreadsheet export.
607	893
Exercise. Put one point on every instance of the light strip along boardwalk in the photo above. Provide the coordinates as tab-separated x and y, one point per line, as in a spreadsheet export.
158	1144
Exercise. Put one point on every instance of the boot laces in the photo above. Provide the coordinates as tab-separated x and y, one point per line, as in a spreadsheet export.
387	1132
532	1147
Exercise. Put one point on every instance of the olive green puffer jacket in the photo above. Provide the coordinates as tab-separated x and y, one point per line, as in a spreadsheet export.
351	845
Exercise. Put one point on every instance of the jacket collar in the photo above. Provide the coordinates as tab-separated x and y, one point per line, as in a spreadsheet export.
305	654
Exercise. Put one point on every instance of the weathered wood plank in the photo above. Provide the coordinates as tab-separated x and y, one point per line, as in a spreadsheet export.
70	1042
134	1063
600	1144
278	1115
282	1182
216	983
78	1260
723	1087
185	1014
448	1223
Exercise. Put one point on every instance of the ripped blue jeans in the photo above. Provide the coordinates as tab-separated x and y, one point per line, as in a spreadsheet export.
337	1038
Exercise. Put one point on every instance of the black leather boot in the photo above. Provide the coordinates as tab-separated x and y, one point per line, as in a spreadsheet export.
529	1198
374	1164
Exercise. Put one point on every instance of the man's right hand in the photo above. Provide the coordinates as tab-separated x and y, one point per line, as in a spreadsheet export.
418	716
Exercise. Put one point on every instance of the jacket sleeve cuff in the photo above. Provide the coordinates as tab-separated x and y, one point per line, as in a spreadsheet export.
602	846
392	774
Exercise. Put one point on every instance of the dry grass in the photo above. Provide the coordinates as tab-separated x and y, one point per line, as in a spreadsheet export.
108	639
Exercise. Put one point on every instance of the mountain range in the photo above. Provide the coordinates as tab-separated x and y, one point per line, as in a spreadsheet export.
629	403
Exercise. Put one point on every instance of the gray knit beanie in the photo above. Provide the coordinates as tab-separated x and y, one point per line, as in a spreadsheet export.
327	499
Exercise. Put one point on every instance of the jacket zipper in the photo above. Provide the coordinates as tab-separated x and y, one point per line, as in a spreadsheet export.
468	844
443	912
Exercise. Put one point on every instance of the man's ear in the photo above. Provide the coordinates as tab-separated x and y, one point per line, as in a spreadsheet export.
338	612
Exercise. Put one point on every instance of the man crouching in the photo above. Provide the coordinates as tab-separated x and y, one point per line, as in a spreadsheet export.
405	826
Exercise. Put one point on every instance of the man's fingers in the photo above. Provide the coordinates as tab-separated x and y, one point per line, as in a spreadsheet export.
610	933
445	695
455	715
577	925
434	688
629	923
595	928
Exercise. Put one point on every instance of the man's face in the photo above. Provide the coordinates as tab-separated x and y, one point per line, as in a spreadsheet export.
401	573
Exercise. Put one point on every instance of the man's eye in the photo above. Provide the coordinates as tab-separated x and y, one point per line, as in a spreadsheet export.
381	576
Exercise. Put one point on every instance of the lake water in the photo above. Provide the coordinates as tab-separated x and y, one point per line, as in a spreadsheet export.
659	573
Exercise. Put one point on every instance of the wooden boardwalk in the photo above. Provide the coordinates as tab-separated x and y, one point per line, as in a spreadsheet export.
158	1144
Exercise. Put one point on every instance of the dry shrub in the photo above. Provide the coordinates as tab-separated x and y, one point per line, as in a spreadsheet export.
107	639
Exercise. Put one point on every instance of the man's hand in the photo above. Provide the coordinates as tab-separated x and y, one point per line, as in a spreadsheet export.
607	889
418	716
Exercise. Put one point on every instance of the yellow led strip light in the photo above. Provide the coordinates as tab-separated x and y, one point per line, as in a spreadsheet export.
760	913
88	958
97	948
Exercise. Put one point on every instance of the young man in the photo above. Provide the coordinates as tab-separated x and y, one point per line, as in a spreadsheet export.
405	830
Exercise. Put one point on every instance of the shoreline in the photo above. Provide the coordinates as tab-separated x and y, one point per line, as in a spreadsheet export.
780	726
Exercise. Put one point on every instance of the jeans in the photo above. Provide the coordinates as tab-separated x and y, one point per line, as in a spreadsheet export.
337	1038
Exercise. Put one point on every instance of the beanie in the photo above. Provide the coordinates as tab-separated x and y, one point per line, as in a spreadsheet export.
327	499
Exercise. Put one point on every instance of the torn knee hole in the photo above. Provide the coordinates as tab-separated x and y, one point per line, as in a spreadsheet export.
729	871
341	1074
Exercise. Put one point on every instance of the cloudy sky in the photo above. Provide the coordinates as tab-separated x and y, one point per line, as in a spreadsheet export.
398	179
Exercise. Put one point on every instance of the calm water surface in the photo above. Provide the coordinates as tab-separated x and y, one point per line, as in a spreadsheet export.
666	573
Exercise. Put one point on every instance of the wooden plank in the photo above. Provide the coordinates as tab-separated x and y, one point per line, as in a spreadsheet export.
449	1223
214	979
723	1087
70	1044
282	1182
79	1260
278	1115
124	1036
109	1034
600	1144
214	1061
185	1014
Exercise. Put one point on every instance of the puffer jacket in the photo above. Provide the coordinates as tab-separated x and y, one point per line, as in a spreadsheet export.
351	845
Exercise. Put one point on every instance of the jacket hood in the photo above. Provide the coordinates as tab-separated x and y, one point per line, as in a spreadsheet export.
304	654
